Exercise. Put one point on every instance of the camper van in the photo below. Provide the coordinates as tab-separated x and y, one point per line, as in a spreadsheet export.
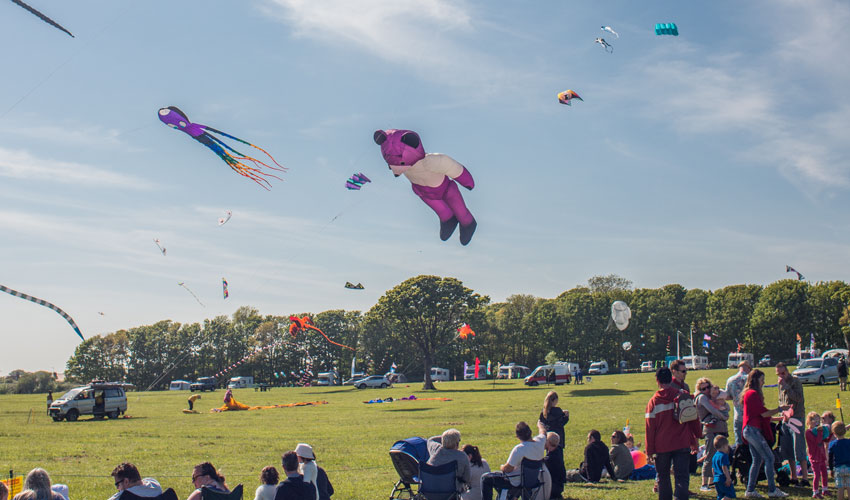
513	371
101	399
696	362
440	374
598	368
469	373
735	359
557	374
328	378
241	382
179	385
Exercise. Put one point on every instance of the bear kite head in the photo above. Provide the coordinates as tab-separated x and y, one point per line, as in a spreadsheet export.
400	149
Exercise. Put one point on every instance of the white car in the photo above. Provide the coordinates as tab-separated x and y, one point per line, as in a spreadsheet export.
646	366
373	381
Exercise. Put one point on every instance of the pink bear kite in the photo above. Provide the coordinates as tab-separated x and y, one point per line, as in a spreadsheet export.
433	177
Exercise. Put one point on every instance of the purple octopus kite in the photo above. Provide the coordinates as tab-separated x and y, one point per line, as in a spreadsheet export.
431	177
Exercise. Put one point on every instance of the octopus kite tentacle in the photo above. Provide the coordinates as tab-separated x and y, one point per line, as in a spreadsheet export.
305	323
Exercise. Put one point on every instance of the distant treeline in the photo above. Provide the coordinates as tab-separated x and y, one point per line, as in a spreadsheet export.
523	329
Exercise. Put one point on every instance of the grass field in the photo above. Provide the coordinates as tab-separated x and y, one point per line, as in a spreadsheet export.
351	439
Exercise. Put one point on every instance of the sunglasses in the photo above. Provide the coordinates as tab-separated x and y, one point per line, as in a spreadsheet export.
118	482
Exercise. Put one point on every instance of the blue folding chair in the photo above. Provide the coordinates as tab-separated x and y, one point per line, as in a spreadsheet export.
438	482
406	455
530	481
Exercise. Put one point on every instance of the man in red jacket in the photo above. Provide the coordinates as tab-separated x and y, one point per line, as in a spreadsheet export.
670	442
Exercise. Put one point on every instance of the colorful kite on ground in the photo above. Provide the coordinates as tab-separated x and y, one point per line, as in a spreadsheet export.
158	245
223	220
465	331
224	288
356	181
434	178
42	17
183	284
610	30
299	325
621	314
44	303
408	398
568	95
233	405
173	117
666	29
605	45
352	286
789	269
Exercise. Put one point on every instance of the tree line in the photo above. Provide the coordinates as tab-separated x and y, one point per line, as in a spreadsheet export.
414	325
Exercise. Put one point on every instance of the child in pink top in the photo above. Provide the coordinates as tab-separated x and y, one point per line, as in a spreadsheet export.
816	435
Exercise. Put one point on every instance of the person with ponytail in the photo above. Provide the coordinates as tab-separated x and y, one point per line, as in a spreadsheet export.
204	475
477	468
758	434
554	419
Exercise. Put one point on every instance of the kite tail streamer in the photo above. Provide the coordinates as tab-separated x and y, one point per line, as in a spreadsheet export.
328	338
42	17
193	294
243	169
279	166
44	303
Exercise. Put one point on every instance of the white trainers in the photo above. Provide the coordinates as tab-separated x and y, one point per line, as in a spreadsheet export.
753	494
706	487
777	494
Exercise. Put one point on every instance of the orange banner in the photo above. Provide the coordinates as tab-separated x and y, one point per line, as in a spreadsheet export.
15	485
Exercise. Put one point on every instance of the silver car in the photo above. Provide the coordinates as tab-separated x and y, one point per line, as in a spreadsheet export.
817	371
101	399
373	381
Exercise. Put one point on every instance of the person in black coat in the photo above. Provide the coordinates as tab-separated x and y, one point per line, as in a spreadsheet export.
326	489
554	461
293	487
596	458
553	417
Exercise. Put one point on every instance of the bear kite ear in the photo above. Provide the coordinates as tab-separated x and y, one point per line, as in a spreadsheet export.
380	136
411	139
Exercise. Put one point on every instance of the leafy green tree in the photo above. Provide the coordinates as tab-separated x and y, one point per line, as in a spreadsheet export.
608	283
781	313
426	311
728	313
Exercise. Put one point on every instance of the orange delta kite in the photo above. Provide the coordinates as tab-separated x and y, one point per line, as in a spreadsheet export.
299	325
465	331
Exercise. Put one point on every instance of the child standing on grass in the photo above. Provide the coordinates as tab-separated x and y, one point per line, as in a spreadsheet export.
720	464
815	437
840	450
827	418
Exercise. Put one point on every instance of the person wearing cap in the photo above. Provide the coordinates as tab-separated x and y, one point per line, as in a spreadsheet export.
307	465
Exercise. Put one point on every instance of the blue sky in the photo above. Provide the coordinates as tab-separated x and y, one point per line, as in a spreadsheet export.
712	158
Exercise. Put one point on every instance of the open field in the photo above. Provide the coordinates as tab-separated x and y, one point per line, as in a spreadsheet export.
351	439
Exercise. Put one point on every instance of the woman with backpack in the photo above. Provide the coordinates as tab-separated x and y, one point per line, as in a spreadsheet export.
758	434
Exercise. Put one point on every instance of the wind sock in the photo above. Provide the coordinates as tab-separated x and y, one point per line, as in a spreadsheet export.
488	367
224	288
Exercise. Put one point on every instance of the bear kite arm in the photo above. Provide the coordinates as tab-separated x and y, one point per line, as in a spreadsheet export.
465	179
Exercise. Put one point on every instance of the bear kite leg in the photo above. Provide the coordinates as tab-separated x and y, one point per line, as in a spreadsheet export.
448	222
454	200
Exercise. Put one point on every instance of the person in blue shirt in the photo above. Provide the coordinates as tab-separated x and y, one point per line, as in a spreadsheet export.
840	451
720	464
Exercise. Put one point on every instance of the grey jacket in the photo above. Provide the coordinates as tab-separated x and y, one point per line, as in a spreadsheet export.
440	456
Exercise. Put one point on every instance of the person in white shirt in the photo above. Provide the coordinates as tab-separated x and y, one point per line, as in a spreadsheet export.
269	477
127	478
532	448
307	465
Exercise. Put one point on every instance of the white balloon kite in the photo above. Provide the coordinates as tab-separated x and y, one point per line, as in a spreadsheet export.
621	314
627	346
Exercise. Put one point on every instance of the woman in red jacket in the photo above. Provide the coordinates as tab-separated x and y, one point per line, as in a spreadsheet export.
757	433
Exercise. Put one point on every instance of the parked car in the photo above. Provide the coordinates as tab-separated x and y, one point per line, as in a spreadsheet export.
373	381
179	385
240	382
598	368
696	362
513	370
101	399
766	360
735	358
647	366
559	373
817	371
203	384
355	377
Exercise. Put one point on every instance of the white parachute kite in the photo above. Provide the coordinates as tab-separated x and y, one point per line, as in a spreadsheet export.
627	346
610	30
621	314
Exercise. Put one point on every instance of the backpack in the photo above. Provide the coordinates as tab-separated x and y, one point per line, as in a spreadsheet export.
685	410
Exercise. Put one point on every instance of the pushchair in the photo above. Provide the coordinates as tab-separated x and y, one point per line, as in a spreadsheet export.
742	460
406	455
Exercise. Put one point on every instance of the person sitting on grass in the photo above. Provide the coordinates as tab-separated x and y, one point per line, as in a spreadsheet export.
477	468
269	478
840	451
37	486
596	459
621	456
529	447
554	461
127	478
444	449
293	487
204	476
720	464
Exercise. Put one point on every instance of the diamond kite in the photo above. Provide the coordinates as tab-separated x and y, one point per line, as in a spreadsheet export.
176	119
44	303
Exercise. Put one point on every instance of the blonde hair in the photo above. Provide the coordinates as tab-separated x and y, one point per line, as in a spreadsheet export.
827	414
553	439
702	381
549	403
810	417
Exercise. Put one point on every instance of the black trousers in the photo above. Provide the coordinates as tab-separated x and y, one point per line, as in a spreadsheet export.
679	460
492	480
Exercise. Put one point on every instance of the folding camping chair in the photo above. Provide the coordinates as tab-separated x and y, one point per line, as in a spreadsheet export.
235	494
166	495
406	456
530	481
438	482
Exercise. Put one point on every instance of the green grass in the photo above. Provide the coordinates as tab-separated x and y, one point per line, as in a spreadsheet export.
351	439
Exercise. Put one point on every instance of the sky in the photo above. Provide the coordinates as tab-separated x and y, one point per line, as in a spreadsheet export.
713	158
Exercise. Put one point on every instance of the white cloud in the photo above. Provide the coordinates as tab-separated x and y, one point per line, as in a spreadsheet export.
20	164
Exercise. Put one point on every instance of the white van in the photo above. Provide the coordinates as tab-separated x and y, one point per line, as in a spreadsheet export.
469	374
836	353
179	385
513	370
557	374
241	382
101	399
328	378
735	358
598	368
696	362
440	374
